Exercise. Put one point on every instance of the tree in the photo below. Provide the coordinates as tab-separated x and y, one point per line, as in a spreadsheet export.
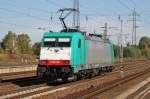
9	42
144	45
132	52
36	48
128	44
116	51
1	49
23	42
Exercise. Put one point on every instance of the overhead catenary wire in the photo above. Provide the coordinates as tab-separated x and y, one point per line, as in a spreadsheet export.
82	6
54	4
13	24
31	8
94	14
133	3
26	14
146	22
124	5
12	3
135	6
19	25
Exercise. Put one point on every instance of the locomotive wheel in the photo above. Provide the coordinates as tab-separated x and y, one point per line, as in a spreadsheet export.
65	78
111	68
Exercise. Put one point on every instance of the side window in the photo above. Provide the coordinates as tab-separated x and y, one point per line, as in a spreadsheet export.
79	43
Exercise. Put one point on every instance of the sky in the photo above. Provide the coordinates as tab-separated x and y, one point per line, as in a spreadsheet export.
26	16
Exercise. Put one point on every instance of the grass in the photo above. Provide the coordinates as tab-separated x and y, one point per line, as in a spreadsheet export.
15	60
125	59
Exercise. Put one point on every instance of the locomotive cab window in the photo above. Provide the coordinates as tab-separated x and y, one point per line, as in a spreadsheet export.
79	43
64	42
57	42
49	42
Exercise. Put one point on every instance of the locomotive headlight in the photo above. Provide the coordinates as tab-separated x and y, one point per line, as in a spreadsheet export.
42	62
67	62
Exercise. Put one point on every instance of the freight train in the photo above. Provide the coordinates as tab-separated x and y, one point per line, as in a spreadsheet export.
74	54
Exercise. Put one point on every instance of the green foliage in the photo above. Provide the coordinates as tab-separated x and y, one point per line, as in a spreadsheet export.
23	43
16	44
146	53
128	44
16	48
36	48
144	45
9	42
132	52
1	49
135	52
116	51
128	52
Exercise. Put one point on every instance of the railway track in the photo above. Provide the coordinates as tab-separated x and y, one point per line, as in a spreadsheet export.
109	86
38	89
16	75
8	78
95	90
12	76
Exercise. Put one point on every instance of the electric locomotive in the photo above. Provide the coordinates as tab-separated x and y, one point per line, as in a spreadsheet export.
67	54
72	53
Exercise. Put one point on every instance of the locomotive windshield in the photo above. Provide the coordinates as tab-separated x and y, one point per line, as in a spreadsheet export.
57	42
